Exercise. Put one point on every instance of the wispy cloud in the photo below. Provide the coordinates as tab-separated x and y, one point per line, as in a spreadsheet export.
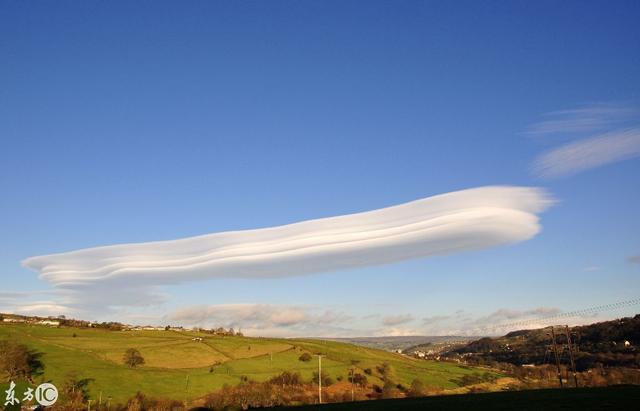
435	319
505	320
592	152
634	259
282	320
30	302
499	321
397	319
9	296
265	319
601	134
587	118
130	274
44	308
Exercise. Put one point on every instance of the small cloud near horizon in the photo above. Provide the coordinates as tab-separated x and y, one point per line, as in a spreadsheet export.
397	319
634	259
265	319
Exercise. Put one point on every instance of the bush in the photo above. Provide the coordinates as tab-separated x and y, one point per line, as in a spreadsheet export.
141	402
18	361
360	380
390	390
258	395
305	357
287	379
326	380
417	389
387	372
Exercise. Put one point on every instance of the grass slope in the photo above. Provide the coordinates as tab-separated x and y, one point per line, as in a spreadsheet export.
179	368
605	398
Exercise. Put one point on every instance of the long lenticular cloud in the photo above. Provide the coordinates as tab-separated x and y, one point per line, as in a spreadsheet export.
443	224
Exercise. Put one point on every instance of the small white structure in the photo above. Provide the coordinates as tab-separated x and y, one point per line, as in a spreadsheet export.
13	320
51	323
627	343
197	339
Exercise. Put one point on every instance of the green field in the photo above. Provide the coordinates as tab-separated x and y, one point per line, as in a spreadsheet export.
177	367
604	398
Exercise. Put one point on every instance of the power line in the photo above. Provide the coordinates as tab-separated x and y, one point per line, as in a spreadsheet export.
569	314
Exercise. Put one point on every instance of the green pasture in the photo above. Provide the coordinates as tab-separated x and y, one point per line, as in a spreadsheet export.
178	367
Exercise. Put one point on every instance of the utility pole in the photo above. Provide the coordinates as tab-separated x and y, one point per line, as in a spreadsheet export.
573	364
100	399
352	375
555	352
186	391
320	378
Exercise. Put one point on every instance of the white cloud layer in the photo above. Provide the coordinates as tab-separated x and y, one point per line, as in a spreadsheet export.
449	223
458	221
588	153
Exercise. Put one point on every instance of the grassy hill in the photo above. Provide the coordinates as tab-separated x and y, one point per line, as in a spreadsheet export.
179	368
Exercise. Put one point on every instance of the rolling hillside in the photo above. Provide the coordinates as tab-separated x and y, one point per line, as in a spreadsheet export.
403	343
180	368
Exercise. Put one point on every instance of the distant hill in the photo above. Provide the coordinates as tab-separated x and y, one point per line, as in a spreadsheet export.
402	343
610	344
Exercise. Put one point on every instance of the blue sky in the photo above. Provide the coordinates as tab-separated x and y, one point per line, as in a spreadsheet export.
123	122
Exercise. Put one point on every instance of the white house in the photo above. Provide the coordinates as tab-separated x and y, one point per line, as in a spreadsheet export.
13	320
52	323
